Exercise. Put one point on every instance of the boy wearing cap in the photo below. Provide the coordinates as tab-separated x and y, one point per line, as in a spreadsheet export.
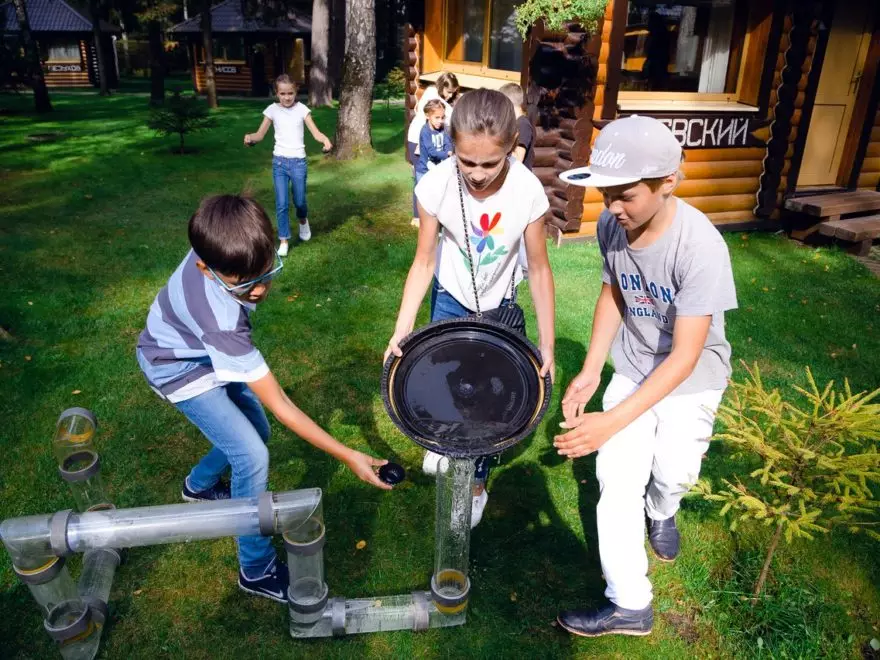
666	284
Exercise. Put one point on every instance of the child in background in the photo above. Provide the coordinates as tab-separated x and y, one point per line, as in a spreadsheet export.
289	167
446	89
196	353
435	145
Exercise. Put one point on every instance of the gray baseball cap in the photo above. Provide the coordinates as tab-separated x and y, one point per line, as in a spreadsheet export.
628	150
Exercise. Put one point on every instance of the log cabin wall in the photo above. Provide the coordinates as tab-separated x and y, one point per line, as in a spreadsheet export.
69	74
412	67
869	177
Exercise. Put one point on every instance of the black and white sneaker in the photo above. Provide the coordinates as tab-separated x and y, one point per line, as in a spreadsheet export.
219	491
272	584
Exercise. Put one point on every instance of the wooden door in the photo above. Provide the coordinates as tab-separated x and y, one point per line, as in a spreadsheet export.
838	86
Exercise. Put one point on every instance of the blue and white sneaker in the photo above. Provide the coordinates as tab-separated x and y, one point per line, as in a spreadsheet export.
219	491
271	584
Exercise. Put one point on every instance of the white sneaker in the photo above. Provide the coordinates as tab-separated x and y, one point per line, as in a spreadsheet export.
478	507
282	249
429	464
305	232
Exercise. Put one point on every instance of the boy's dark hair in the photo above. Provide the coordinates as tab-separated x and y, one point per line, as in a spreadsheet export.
233	235
484	112
434	104
515	93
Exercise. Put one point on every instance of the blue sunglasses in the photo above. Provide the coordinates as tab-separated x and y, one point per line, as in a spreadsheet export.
246	287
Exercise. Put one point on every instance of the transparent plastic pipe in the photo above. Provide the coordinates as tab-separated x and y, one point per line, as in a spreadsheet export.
381	614
84	642
307	593
96	579
29	536
452	534
57	590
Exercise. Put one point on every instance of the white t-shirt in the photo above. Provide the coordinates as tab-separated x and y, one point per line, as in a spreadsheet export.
289	126
495	228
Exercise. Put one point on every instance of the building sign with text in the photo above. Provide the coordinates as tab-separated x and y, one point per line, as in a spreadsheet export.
64	68
714	131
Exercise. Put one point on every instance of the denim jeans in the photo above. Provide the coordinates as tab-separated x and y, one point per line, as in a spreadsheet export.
233	420
287	172
444	306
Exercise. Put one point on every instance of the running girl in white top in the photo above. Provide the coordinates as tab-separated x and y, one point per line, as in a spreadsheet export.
289	168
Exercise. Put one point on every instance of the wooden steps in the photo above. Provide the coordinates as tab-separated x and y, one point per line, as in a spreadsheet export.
861	231
835	204
824	214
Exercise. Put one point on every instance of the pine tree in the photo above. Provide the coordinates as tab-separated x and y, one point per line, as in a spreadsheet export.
816	456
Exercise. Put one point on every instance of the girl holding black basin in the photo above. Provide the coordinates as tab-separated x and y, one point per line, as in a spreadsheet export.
475	266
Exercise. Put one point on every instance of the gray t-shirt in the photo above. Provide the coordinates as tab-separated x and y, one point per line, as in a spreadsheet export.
686	272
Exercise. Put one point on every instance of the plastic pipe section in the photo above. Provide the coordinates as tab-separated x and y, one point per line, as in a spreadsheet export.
78	461
312	615
66	532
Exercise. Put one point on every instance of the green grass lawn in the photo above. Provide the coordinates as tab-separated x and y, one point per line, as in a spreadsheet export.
91	226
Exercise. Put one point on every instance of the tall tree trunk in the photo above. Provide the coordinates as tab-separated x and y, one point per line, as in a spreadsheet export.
358	74
320	88
208	45
32	55
337	43
126	55
157	63
94	8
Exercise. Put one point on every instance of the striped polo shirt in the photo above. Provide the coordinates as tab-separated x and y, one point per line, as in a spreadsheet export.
198	337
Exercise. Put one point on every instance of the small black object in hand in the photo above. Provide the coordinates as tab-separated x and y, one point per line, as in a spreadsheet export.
392	473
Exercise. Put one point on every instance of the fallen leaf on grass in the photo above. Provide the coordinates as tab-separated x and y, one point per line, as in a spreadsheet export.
27	358
360	545
513	597
77	392
138	592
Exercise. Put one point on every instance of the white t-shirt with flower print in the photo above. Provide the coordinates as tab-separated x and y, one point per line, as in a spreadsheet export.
495	229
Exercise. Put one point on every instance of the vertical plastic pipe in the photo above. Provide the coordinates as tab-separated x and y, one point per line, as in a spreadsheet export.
96	580
71	625
78	461
450	584
307	594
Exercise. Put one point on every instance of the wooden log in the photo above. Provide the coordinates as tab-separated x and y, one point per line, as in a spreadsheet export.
875	134
871	165
721	155
599	97
563	164
722	170
545	157
873	150
411	58
717	203
546	175
604	51
707	187
411	42
547	138
725	217
868	180
580	153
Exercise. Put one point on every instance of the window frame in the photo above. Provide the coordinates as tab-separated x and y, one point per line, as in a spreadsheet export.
482	68
64	44
751	54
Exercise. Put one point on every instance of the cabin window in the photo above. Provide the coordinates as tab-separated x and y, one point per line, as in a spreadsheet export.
68	52
482	33
229	49
693	46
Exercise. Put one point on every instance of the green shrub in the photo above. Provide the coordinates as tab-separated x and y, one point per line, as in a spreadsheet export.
181	115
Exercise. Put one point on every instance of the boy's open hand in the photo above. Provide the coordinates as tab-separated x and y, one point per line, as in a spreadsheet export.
589	432
362	465
578	395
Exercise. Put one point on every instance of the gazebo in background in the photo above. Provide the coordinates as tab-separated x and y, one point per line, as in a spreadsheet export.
66	42
248	52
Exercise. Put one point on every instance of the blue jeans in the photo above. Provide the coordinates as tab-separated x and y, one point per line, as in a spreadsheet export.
287	172
233	420
444	306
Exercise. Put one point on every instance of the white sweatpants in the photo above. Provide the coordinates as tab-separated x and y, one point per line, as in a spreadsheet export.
661	450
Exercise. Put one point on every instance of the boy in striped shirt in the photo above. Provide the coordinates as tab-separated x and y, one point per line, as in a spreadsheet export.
196	353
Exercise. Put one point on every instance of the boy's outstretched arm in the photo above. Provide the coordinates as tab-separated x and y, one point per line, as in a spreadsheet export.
273	397
606	322
253	138
591	431
318	135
